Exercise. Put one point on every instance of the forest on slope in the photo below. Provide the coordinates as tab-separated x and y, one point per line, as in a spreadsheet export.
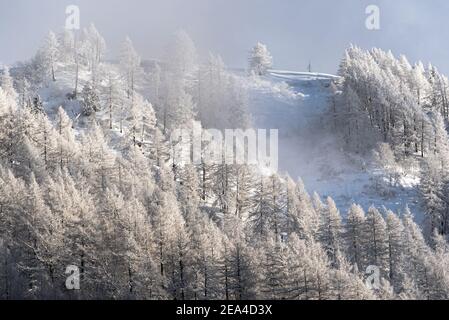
87	179
399	112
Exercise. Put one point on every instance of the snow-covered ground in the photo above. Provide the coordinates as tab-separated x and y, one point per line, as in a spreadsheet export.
295	103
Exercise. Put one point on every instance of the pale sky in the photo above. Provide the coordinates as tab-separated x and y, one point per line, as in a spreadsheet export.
295	31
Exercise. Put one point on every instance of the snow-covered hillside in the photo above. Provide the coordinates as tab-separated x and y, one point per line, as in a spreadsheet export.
90	176
296	103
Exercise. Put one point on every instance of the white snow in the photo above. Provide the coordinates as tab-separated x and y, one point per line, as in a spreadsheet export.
295	103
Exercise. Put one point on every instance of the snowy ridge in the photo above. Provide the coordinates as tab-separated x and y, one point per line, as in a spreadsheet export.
304	75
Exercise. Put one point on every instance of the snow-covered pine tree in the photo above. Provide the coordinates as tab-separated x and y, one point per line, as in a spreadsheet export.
100	161
346	284
309	270
274	267
82	241
395	251
130	66
177	109
189	195
416	252
261	215
96	46
376	240
13	192
113	96
67	46
181	54
44	137
303	219
431	188
91	101
237	106
241	186
385	159
37	107
219	92
7	105
68	146
24	92
148	124
50	54
330	230
7	84
208	251
260	59
243	275
354	236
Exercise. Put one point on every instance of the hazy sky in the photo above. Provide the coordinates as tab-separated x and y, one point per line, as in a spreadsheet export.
295	31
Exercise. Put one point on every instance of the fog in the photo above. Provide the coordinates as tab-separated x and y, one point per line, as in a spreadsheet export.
296	31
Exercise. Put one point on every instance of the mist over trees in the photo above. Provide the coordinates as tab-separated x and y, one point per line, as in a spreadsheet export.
96	187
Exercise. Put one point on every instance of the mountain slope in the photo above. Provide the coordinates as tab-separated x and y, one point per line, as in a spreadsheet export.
296	103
